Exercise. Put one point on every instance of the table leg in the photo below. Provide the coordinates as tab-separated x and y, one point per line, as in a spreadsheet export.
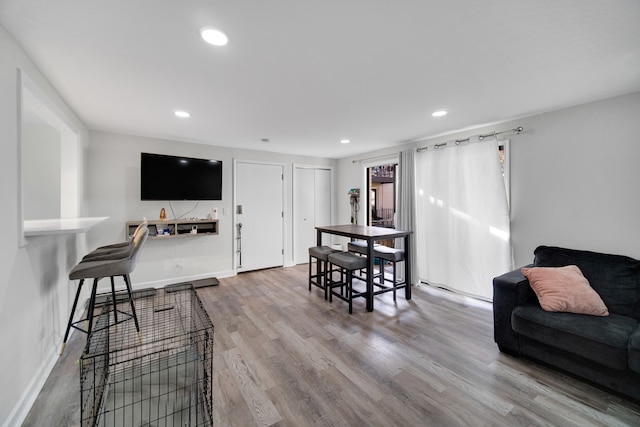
369	296
319	238
407	266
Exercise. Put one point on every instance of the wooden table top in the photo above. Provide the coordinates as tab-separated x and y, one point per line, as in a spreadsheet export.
363	231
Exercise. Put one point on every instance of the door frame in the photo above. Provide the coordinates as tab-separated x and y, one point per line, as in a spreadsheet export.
364	198
332	181
235	214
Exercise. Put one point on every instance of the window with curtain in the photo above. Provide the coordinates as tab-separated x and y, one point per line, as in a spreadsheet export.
462	221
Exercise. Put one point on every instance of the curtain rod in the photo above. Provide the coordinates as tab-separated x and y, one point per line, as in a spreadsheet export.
386	156
516	131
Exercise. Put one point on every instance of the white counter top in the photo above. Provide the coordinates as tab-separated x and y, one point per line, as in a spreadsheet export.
41	227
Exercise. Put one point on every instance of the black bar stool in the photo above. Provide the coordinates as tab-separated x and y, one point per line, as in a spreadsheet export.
323	269
389	255
110	265
115	250
348	263
360	247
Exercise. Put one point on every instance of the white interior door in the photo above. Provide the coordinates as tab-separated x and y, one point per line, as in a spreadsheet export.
303	216
259	208
312	207
322	197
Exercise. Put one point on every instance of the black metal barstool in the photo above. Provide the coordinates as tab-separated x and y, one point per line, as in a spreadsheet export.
115	250
110	265
348	263
323	268
389	255
359	247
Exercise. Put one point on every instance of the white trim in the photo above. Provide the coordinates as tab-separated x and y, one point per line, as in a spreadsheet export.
364	198
333	202
31	392
22	241
157	284
53	114
234	215
47	110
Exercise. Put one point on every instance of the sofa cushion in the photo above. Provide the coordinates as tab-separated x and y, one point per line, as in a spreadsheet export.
564	289
634	351
615	278
603	340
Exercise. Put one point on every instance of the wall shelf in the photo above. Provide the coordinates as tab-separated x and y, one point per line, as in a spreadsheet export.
42	227
177	228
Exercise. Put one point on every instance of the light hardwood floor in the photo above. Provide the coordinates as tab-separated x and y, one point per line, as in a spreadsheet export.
286	357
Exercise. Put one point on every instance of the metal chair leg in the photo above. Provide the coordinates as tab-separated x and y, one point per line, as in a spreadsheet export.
115	307
92	306
310	269
127	280
73	310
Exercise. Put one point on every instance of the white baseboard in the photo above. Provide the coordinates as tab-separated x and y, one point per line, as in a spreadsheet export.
22	408
173	280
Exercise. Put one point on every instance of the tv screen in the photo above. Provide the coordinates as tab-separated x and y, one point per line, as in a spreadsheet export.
165	177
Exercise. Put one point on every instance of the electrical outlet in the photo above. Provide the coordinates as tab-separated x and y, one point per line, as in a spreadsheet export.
179	263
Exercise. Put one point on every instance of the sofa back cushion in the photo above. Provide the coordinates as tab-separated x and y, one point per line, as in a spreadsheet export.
615	278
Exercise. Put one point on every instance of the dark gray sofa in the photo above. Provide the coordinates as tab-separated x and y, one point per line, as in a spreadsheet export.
602	350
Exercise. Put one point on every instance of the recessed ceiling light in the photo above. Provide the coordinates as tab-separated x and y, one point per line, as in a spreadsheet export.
265	140
344	141
182	114
214	37
439	113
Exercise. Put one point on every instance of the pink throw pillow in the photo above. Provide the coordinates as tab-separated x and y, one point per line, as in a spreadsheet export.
565	289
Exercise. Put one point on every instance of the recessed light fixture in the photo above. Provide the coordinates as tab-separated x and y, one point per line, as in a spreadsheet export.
344	141
265	140
182	114
439	113
214	37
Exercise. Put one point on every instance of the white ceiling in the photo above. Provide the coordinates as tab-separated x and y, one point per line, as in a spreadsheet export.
306	74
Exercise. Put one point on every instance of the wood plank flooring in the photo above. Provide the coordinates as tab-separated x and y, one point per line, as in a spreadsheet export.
283	356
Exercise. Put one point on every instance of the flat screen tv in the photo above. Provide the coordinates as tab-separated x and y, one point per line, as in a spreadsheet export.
164	177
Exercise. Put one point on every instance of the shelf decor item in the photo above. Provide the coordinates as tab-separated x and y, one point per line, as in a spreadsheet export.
163	215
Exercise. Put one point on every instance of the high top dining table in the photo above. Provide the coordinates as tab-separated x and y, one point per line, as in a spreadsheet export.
370	235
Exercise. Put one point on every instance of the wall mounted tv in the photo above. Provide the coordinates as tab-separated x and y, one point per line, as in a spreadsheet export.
165	177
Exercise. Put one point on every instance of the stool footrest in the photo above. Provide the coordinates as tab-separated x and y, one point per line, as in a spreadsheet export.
384	288
354	294
77	322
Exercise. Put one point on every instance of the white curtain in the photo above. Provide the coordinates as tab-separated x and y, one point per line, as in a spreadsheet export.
406	204
463	224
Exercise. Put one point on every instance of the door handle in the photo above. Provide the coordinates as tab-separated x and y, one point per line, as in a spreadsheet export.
239	244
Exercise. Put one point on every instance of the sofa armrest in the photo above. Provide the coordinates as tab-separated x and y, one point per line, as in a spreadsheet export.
509	291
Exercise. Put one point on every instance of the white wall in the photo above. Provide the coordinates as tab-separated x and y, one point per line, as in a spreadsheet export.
41	171
35	293
114	191
575	180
